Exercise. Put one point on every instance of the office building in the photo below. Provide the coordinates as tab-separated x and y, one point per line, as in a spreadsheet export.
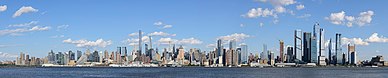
306	47
281	52
338	49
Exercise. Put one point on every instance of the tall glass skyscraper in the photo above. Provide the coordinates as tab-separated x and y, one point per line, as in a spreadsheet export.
338	48
244	53
306	47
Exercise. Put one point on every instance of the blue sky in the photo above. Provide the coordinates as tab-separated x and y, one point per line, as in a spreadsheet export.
44	25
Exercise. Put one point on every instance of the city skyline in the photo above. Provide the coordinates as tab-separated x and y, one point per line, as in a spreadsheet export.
36	27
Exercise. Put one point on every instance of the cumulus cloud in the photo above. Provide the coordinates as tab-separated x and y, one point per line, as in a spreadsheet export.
135	41
300	7
134	34
235	36
364	18
341	18
7	56
357	41
260	12
87	44
162	25
160	34
3	8
376	38
18	31
190	41
167	41
279	7
24	9
29	24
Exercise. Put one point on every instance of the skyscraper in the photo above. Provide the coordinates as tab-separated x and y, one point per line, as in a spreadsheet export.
281	43
338	48
298	43
244	54
306	47
290	54
330	61
352	54
321	57
219	47
140	40
314	48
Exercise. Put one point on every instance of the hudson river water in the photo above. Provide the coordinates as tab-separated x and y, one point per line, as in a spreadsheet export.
194	72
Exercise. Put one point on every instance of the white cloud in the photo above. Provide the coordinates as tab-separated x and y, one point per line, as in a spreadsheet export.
280	9
160	34
235	36
62	27
167	26
211	45
190	41
135	41
22	30
260	12
134	34
357	41
162	25
24	9
341	18
158	23
29	24
300	7
364	18
167	41
3	8
376	38
87	44
7	56
336	18
304	16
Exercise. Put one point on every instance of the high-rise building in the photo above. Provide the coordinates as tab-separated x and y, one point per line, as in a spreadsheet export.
281	44
51	57
125	51
314	48
79	54
321	57
140	41
298	44
338	48
264	55
244	54
181	55
352	54
71	55
330	60
306	47
290	54
219	47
